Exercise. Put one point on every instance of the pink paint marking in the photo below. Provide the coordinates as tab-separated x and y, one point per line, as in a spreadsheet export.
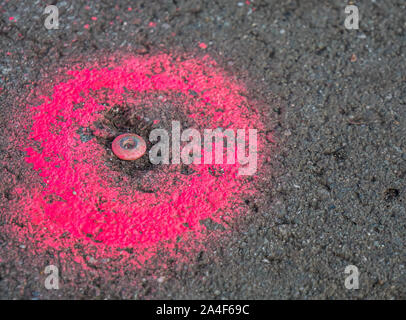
82	197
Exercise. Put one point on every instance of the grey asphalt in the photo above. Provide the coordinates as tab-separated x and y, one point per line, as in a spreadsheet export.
337	192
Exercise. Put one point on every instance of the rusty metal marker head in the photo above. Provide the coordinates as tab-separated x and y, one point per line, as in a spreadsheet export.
129	146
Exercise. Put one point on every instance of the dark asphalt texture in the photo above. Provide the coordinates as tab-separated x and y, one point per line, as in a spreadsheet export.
338	185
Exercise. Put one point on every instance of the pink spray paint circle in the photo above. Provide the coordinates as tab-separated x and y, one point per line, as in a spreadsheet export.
83	198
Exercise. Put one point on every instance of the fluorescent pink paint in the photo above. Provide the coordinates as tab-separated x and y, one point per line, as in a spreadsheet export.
82	198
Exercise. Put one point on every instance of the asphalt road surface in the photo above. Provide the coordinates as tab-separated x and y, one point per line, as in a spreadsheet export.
336	194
